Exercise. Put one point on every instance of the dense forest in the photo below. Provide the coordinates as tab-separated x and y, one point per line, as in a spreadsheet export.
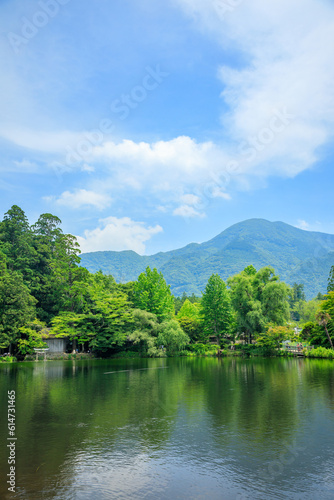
45	292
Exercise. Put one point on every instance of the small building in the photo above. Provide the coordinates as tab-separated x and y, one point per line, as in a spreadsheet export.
55	344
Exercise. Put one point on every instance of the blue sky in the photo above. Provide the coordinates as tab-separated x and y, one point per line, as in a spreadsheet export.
148	125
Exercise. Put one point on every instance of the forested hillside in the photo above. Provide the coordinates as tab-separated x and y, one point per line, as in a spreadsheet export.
297	256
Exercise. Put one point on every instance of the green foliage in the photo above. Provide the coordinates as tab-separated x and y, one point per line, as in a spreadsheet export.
325	317
16	243
270	341
17	307
190	321
152	294
179	301
144	335
320	352
306	311
296	299
290	251
314	334
216	310
204	349
258	299
275	304
31	338
41	277
330	285
172	337
66	277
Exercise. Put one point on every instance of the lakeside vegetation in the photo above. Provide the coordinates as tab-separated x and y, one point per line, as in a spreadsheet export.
44	292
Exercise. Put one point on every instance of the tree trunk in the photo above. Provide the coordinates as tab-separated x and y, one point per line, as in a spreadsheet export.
329	338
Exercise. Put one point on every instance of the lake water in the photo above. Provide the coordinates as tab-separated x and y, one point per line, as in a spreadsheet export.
202	428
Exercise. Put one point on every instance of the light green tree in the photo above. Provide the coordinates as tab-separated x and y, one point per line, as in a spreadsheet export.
216	310
152	294
145	333
258	299
189	319
172	337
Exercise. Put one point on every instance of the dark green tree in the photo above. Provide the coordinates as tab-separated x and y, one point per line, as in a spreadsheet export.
46	234
17	306
16	243
330	286
67	278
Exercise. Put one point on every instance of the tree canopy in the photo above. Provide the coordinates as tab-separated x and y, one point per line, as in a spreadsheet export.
216	308
152	294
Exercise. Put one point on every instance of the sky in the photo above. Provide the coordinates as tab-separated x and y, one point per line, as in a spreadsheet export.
148	125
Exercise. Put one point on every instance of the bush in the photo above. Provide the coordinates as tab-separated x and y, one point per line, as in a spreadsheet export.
320	352
204	349
8	359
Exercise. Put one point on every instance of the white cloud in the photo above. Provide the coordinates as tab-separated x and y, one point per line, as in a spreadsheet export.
47	142
302	224
218	193
187	211
82	197
287	66
180	154
87	168
117	234
277	86
26	166
190	199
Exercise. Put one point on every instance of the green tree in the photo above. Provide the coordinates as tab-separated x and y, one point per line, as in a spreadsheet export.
259	299
270	341
216	310
17	306
16	243
189	319
321	330
307	310
325	316
249	312
107	313
152	294
172	337
296	300
275	304
330	286
67	277
314	334
145	333
46	234
179	301
31	337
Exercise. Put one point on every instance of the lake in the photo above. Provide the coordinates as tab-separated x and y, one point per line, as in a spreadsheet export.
170	428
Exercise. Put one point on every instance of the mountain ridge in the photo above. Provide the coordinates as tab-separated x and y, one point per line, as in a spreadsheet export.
296	255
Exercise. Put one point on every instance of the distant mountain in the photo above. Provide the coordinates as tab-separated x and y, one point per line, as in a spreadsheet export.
296	255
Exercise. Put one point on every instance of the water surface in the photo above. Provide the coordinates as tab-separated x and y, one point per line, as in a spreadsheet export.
202	428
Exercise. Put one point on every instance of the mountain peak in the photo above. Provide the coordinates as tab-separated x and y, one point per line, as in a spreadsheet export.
296	255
